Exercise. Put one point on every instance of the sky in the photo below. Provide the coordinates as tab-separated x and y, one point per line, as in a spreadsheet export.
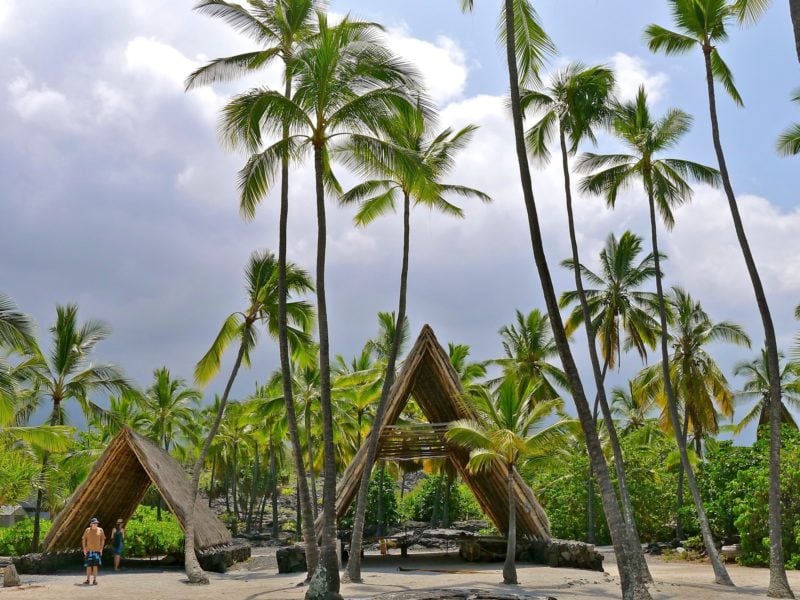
116	194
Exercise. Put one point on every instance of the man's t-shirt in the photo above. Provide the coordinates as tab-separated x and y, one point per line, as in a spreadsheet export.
93	541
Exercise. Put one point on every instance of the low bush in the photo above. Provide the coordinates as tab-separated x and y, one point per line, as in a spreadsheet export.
145	536
17	539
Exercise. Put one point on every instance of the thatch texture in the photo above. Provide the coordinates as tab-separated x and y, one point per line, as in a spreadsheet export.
428	376
115	487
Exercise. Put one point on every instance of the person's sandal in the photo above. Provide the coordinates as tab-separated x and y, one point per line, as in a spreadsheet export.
86	582
94	582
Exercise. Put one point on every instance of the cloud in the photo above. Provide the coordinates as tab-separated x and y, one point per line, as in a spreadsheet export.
40	104
632	72
442	63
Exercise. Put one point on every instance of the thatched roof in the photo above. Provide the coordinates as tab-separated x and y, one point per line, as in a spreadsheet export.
116	485
428	376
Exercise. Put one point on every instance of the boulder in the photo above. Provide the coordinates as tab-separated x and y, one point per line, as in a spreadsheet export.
219	558
291	559
730	553
10	575
554	553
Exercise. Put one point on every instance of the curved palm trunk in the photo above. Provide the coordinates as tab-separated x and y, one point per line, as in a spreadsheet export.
509	567
720	572
794	7
778	584
328	557
678	517
194	571
310	450
274	484
632	585
636	554
304	500
357	538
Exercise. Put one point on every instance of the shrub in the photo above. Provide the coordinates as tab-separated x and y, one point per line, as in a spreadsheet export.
17	539
426	502
146	536
391	513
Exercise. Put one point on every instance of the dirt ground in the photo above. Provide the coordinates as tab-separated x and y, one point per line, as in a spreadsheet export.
258	580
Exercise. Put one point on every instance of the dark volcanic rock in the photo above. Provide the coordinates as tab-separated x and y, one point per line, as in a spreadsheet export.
219	558
555	553
458	594
291	559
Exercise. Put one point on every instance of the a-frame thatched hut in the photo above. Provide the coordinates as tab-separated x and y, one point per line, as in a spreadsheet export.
428	376
116	485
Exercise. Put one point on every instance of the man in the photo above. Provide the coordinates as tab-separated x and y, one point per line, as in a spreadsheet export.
93	542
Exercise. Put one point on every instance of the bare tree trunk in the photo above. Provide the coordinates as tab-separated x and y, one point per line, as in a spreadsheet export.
679	533
253	491
633	587
509	567
794	7
778	583
720	572
328	556
590	520
310	449
274	483
632	531
193	569
356	540
211	484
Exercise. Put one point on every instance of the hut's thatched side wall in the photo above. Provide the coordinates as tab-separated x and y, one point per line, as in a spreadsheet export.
428	376
115	487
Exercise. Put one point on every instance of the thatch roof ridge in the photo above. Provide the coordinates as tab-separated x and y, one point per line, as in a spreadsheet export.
428	375
116	485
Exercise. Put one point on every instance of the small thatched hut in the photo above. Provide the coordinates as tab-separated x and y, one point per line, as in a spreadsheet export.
116	485
428	376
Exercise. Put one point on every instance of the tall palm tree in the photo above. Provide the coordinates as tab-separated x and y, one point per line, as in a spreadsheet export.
632	407
281	27
577	100
67	373
263	296
346	84
512	429
756	387
17	334
410	167
789	141
527	45
621	312
702	24
665	185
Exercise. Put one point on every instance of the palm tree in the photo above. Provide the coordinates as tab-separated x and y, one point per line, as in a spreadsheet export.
511	429
68	374
702	24
665	184
263	290
577	100
632	407
617	304
346	84
527	46
411	167
16	334
756	387
789	141
282	27
470	374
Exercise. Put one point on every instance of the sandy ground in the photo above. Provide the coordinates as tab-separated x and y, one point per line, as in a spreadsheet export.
258	580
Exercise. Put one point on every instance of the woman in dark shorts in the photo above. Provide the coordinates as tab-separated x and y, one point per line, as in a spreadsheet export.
118	543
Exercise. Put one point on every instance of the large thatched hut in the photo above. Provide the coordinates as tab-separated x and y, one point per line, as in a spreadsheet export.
116	485
429	378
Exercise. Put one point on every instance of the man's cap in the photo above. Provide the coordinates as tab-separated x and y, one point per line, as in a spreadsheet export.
94	520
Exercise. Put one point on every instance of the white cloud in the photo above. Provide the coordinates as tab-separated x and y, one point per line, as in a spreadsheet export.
631	72
5	16
40	104
158	59
442	63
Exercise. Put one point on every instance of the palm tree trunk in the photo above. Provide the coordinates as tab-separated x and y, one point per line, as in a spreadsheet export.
274	484
794	7
380	528
679	533
304	500
778	584
509	567
328	556
310	449
636	554
720	572
356	540
590	520
193	569
253	491
631	581
299	517
211	483
448	481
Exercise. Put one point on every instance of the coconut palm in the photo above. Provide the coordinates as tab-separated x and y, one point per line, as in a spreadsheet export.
281	27
346	84
756	387
263	297
621	312
511	429
632	407
789	141
411	168
666	186
527	45
702	24
470	374
67	373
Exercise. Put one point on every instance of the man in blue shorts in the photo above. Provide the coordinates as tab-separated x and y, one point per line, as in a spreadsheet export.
92	543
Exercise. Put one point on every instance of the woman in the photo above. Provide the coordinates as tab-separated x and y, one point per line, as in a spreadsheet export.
118	543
